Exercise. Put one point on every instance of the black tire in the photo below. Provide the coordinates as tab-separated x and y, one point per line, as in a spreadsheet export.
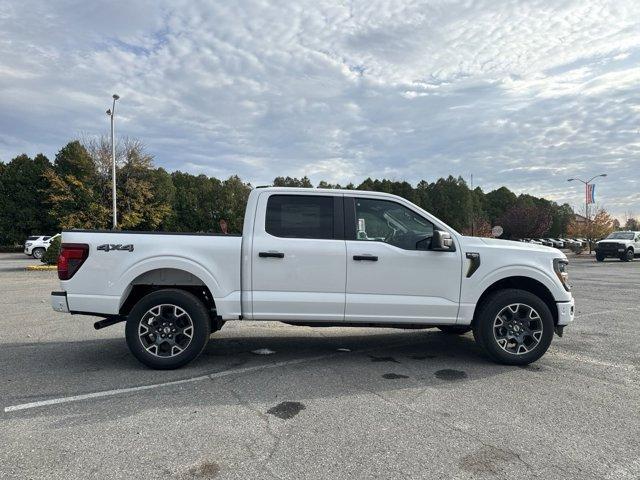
599	257
484	327
454	329
165	301
37	253
627	256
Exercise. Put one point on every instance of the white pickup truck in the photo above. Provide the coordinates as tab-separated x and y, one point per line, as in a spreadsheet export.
316	257
623	245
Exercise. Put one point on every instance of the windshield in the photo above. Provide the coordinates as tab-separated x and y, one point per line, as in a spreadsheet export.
33	238
621	235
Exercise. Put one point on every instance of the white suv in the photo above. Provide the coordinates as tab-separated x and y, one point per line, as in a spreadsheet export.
36	245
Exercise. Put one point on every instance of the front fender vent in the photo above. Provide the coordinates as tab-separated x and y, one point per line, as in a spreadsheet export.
474	263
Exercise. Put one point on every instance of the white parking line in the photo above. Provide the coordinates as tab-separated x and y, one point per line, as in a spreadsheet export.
238	371
210	376
121	391
590	360
589	314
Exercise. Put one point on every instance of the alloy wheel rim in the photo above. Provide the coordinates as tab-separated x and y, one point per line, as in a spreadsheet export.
165	330
517	329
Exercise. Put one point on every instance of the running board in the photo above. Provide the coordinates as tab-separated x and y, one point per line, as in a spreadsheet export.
107	322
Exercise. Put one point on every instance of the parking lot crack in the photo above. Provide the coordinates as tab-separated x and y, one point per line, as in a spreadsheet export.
263	459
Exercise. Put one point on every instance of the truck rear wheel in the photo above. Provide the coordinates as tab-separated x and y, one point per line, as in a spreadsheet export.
514	327
167	329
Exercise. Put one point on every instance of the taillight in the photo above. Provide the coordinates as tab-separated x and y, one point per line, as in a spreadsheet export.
71	258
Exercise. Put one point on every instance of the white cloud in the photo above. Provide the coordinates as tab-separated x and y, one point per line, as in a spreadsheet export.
520	93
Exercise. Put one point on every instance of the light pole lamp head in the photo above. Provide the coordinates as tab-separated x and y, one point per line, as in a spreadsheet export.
109	112
570	179
116	96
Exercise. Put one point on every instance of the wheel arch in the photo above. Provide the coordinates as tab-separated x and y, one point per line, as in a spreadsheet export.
162	278
167	270
521	283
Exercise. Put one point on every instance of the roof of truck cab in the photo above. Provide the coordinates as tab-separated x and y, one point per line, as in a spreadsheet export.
329	191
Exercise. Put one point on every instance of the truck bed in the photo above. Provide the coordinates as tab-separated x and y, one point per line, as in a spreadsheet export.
118	259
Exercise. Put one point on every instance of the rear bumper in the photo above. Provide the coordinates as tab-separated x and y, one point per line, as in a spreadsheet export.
566	312
59	302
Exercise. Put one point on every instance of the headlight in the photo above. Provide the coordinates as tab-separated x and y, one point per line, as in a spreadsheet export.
560	267
29	244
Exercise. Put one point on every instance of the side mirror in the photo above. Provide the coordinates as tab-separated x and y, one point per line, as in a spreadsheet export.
442	241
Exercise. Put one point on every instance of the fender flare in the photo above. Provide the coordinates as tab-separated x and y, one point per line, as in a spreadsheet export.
516	271
174	262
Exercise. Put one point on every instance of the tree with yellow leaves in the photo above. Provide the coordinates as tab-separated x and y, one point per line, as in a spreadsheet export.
79	193
593	229
73	193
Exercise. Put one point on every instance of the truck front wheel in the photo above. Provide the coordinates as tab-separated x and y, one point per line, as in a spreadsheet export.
167	329
627	256
514	327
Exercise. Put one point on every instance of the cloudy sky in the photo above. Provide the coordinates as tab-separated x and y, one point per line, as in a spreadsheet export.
518	93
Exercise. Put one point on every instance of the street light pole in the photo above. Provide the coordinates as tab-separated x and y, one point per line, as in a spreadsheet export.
112	114
586	200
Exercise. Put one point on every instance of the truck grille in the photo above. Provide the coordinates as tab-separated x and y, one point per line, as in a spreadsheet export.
610	247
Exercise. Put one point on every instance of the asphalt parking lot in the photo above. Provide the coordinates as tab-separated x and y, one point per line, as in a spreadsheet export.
328	403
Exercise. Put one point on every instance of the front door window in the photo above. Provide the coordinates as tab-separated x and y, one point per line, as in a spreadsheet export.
392	223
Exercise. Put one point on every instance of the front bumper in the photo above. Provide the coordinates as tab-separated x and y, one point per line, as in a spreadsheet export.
27	250
59	302
566	312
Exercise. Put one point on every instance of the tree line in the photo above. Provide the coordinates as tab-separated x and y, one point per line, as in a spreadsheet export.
40	196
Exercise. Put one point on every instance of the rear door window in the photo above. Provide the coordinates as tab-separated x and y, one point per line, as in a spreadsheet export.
300	216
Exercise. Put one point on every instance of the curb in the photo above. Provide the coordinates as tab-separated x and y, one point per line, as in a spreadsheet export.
41	268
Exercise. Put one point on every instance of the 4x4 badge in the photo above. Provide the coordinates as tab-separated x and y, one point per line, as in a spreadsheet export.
107	247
